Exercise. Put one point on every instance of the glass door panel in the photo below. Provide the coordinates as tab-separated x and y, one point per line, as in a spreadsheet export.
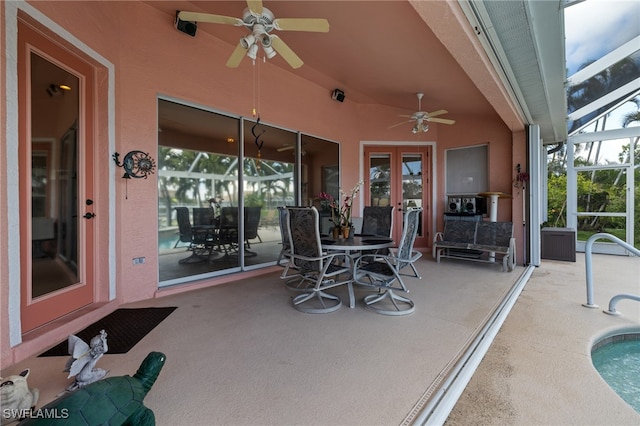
268	182
412	185
379	179
47	241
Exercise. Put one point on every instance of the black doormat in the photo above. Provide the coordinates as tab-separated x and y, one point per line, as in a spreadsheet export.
124	327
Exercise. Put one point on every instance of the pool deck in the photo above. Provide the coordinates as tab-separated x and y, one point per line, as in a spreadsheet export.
538	370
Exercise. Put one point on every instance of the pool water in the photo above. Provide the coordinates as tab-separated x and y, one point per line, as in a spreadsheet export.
619	365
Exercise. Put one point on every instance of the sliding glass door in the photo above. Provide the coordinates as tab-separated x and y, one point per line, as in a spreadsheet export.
227	176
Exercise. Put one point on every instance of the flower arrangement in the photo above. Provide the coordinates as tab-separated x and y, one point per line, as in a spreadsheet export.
340	210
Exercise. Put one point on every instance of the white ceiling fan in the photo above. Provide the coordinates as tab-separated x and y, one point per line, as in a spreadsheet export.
421	118
260	21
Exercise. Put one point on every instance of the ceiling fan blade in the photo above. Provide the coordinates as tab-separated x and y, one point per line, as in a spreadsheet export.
255	6
207	17
285	148
399	124
319	25
286	52
441	120
237	56
436	113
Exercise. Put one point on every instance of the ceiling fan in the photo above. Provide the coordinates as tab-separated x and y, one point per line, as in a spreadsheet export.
260	21
421	118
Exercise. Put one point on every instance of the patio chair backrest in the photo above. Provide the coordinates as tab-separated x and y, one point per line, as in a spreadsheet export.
283	216
377	220
184	224
409	232
202	216
251	222
304	237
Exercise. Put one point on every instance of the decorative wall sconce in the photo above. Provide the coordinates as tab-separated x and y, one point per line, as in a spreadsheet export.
136	164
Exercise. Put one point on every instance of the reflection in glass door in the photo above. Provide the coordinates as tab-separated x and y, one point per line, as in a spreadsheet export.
398	176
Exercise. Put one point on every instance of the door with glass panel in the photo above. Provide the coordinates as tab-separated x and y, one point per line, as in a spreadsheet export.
56	208
400	176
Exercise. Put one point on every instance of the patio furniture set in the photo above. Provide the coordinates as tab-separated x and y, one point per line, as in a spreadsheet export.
316	264
209	235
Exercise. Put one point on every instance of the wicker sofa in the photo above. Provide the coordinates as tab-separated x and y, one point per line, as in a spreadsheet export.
477	242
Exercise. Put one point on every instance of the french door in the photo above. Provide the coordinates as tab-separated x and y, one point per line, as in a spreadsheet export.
55	97
400	176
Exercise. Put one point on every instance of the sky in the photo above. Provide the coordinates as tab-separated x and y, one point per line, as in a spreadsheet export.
594	28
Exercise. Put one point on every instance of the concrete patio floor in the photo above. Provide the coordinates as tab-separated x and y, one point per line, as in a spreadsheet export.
239	354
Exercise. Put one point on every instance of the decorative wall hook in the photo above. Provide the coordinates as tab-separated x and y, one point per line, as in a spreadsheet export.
136	164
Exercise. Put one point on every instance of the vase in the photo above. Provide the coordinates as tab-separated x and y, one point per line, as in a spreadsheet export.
345	231
336	232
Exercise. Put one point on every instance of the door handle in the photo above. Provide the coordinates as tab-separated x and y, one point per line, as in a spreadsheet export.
89	215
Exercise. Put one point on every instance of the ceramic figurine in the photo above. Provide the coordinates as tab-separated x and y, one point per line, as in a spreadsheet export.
111	401
16	397
82	363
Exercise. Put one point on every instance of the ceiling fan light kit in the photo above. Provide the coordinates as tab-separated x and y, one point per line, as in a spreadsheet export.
260	21
420	128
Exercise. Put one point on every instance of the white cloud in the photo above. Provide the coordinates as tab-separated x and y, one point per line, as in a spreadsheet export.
594	28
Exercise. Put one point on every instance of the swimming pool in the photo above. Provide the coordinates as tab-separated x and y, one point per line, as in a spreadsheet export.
617	359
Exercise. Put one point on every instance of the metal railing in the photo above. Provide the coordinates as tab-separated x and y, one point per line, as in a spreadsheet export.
588	266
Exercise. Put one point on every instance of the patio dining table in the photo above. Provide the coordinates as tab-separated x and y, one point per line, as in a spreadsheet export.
350	246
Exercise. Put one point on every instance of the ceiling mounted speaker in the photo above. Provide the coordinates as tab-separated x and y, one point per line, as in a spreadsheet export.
337	95
186	27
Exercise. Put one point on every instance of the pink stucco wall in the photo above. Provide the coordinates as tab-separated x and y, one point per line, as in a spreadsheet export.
150	60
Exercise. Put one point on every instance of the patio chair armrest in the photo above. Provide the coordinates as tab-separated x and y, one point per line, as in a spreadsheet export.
415	255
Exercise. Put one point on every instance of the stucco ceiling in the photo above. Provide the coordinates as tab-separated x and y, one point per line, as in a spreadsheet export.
383	52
